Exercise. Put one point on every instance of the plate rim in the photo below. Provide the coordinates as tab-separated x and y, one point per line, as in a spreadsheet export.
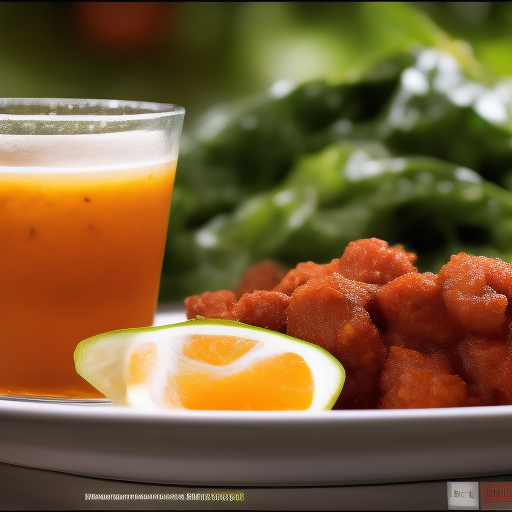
16	407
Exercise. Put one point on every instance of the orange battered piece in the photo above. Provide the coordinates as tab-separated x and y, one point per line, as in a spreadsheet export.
263	309
406	339
487	367
304	272
371	260
263	275
414	380
330	312
413	309
476	291
211	305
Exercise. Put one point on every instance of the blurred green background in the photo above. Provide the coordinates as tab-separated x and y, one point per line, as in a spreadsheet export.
258	144
200	53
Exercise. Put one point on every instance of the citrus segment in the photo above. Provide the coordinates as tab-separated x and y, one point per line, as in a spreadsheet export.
142	363
277	383
217	350
210	365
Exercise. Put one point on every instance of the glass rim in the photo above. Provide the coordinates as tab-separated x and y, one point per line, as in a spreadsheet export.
142	110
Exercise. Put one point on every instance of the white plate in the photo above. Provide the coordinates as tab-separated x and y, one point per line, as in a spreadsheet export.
257	448
169	314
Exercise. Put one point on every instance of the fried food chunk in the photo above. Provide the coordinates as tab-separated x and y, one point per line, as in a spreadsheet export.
487	368
413	308
330	312
406	339
414	380
477	291
263	309
371	260
218	304
303	273
263	275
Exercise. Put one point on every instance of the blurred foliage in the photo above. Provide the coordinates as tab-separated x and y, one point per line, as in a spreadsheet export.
414	151
242	59
197	54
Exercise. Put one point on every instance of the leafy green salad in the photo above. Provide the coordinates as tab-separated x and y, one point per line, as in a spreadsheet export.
416	151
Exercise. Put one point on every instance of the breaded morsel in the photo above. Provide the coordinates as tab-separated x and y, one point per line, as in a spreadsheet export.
330	312
477	291
263	275
263	308
217	304
413	308
486	365
414	380
371	260
303	273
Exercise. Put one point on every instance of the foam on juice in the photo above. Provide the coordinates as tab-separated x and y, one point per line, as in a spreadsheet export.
91	152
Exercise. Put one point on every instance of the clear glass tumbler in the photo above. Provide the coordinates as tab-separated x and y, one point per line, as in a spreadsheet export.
85	193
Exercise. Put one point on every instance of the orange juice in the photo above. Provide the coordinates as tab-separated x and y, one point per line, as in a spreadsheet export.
80	254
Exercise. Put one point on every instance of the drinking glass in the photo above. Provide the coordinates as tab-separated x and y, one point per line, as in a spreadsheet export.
85	193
